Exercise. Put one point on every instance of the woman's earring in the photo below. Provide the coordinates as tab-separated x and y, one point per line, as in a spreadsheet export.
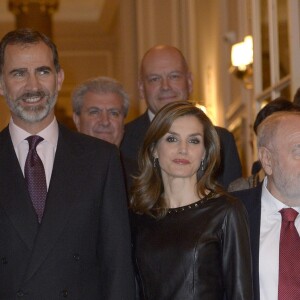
202	165
155	162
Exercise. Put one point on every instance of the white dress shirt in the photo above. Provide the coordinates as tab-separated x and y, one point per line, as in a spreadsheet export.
151	115
45	149
269	243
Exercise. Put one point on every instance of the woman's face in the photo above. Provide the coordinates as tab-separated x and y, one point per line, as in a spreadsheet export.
181	150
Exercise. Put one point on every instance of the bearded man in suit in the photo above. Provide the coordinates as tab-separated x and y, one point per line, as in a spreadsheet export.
75	243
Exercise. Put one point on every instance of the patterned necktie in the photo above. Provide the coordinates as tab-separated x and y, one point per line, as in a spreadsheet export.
289	257
35	177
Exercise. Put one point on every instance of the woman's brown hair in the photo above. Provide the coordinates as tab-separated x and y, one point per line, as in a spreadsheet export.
147	190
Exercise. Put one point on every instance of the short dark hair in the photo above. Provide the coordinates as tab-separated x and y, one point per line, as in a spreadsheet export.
278	104
296	99
25	36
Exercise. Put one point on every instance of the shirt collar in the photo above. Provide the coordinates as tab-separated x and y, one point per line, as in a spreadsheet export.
269	203
151	115
49	134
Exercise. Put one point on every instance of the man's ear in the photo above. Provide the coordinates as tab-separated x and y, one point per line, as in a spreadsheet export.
76	120
190	80
265	157
60	78
141	88
1	87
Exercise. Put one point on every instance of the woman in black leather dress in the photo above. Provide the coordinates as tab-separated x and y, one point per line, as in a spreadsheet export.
190	238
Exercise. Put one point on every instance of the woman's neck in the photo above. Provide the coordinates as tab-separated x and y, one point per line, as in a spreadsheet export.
180	192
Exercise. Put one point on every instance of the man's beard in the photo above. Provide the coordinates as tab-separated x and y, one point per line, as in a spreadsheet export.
34	113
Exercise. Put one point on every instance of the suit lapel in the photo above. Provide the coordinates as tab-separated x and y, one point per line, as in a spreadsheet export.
141	126
252	201
59	202
145	123
254	212
15	198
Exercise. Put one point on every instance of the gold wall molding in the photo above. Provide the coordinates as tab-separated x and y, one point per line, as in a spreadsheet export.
23	6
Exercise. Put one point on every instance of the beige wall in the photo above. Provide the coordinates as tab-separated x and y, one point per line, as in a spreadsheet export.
113	45
87	50
4	113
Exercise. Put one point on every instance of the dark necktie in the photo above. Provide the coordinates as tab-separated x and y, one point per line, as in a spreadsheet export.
35	177
289	257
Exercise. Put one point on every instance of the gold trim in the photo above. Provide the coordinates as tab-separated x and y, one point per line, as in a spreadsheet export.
22	6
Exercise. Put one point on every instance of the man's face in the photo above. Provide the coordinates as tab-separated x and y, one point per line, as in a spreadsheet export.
102	116
164	78
283	166
30	83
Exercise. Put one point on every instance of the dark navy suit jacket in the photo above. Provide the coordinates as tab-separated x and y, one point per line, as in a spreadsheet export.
252	201
82	248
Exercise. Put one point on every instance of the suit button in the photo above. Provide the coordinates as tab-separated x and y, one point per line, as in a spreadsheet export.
64	293
20	293
4	261
76	256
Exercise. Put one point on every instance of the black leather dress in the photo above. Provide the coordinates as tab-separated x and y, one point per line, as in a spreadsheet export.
200	251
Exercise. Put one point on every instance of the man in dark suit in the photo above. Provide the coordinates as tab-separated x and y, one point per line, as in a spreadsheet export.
100	106
164	77
279	153
75	244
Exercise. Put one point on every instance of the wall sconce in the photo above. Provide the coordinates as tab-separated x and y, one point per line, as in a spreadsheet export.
242	60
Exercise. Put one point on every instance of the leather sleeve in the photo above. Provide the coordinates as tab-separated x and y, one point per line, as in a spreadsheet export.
237	254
